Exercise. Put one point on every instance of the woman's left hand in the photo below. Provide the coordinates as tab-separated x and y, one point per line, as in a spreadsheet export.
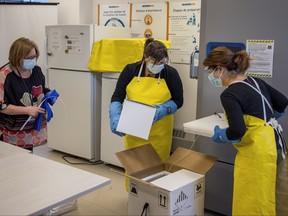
34	110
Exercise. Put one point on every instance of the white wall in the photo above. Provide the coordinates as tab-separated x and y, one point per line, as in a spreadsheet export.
25	21
75	11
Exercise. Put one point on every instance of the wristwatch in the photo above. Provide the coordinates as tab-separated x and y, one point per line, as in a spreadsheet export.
168	110
3	106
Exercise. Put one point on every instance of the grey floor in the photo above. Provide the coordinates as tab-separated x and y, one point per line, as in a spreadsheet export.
109	200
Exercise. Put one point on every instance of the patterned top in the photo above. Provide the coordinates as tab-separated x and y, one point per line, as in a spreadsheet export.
22	92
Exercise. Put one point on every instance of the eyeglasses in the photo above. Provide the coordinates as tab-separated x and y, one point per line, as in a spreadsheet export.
207	68
31	57
152	61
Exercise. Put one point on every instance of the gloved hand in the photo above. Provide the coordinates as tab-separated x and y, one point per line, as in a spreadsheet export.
221	137
167	108
48	100
114	114
278	115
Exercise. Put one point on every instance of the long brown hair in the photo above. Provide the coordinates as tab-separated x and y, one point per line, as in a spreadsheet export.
222	56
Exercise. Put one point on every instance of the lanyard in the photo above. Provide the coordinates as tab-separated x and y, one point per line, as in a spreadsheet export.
27	89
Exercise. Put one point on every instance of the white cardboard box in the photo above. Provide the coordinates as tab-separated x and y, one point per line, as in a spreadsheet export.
136	119
176	187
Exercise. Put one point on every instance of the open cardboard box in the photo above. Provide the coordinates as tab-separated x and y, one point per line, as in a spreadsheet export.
151	181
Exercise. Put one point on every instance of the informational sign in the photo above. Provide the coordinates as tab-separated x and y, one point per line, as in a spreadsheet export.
261	53
149	20
184	30
114	15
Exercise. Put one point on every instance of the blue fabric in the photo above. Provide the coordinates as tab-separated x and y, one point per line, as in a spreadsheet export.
221	137
167	108
114	114
48	100
278	115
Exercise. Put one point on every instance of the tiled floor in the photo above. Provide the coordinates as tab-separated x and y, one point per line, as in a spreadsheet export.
109	200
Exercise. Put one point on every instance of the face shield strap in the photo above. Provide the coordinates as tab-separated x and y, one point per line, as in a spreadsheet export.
140	70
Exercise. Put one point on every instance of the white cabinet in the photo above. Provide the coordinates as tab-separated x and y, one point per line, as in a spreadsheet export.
110	143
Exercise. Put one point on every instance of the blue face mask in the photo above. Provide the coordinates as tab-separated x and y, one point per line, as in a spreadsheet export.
29	64
215	81
155	69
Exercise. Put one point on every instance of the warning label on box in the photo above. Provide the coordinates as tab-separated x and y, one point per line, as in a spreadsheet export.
182	203
198	189
133	188
163	200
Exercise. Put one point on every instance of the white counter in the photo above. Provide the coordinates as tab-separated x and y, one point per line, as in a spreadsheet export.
32	185
205	126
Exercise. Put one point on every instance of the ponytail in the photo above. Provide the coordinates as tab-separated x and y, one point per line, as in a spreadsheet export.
148	41
222	56
242	61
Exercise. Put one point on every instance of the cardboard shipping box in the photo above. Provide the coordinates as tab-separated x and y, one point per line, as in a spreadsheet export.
176	187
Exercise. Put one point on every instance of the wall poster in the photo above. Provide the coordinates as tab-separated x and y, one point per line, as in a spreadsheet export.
261	54
184	30
149	20
117	15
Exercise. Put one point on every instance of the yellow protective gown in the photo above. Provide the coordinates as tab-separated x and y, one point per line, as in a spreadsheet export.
282	188
255	166
152	91
255	170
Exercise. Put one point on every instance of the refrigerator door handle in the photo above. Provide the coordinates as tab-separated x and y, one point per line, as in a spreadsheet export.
194	64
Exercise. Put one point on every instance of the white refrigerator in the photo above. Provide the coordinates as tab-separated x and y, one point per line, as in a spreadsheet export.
110	143
76	125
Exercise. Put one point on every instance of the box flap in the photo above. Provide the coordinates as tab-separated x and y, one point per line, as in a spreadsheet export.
139	158
191	160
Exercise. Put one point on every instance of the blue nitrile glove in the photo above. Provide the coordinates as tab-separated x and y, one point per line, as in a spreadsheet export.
278	115
114	114
167	108
221	137
49	99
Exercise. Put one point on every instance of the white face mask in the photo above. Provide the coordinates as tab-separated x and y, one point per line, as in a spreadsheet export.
215	81
29	64
155	69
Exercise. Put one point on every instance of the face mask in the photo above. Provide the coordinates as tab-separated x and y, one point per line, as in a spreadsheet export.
155	69
215	81
29	64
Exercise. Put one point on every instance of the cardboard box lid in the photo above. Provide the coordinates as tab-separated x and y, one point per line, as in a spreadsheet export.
140	158
194	161
145	157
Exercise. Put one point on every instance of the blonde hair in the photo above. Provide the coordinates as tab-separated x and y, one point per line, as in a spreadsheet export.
19	49
222	56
